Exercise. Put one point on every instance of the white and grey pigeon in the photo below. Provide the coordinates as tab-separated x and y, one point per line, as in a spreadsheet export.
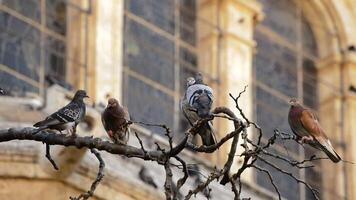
67	117
196	104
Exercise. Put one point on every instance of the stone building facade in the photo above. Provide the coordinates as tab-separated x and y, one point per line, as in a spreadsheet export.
141	52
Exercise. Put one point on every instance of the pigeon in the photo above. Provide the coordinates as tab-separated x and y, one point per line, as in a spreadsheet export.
116	121
67	117
2	91
196	104
306	127
146	177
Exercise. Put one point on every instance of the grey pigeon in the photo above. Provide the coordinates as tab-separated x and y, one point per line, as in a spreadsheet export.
196	104
146	177
67	117
115	119
306	127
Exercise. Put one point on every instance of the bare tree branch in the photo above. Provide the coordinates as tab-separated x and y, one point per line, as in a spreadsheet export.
270	178
48	156
182	180
99	177
168	183
253	150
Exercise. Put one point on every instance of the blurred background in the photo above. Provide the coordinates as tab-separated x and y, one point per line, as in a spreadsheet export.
141	52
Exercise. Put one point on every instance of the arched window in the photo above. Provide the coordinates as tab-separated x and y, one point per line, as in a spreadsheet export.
284	67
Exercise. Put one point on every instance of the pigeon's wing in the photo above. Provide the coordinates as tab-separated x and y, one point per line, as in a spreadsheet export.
49	121
70	113
311	124
189	112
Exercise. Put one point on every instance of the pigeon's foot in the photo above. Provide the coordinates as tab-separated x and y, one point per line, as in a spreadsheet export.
73	132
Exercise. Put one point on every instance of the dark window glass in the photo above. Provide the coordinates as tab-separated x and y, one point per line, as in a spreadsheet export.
55	60
19	44
16	86
158	12
281	17
309	42
56	14
310	96
149	54
187	21
28	8
147	104
287	186
276	66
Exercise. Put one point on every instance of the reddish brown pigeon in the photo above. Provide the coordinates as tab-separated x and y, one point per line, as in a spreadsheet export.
306	127
115	119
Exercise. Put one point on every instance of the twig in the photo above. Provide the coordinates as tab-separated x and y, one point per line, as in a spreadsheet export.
48	156
214	175
141	144
270	178
182	180
168	183
99	177
314	191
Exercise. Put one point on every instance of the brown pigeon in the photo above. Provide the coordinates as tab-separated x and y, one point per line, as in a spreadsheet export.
116	121
306	127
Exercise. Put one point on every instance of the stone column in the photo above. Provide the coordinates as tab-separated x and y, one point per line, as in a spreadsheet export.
80	39
349	78
109	47
225	48
337	112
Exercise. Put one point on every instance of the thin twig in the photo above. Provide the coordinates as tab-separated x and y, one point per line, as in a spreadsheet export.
99	177
48	156
182	180
314	191
270	178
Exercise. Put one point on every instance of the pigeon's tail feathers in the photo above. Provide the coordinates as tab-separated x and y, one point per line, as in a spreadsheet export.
207	135
328	149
